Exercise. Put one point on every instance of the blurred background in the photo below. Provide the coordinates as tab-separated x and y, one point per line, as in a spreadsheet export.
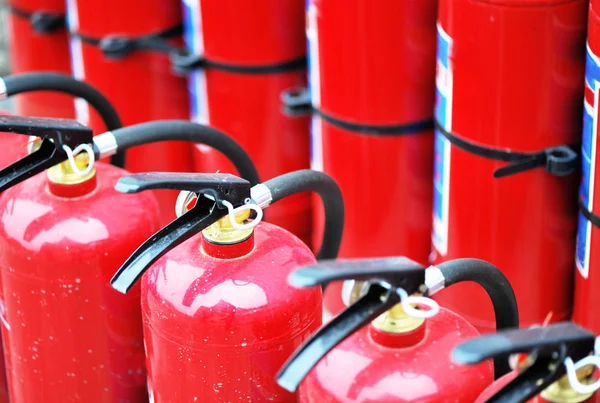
4	61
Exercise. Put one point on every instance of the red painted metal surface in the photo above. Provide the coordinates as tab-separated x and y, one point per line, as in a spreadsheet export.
230	322
248	106
33	51
372	63
68	335
141	86
363	370
524	98
587	275
503	381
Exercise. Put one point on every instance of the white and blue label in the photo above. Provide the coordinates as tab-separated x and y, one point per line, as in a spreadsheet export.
82	114
314	86
312	36
194	40
588	160
443	114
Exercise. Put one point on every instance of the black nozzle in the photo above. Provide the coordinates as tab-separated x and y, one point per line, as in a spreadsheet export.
550	345
54	134
384	277
211	190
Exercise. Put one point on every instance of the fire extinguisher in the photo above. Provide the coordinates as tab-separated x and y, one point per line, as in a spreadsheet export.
17	84
557	368
505	163
217	306
67	335
122	49
587	260
38	41
240	56
382	348
372	76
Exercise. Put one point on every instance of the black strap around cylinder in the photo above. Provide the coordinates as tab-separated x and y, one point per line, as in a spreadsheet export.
561	160
42	22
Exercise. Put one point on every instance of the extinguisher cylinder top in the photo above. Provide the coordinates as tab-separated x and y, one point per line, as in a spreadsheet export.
562	392
64	173
223	233
397	321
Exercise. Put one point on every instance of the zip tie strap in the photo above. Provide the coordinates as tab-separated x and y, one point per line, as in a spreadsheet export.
115	46
561	160
42	22
71	156
591	217
248	206
184	62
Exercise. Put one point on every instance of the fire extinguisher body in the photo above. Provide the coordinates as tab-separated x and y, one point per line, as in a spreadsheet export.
531	102
39	51
13	147
225	316
506	379
372	65
140	85
587	277
247	105
68	335
373	366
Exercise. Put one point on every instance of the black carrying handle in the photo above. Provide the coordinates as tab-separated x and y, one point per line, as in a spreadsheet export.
54	133
218	187
550	345
385	276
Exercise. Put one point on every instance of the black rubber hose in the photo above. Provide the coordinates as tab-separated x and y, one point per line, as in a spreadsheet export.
498	288
183	130
307	180
46	81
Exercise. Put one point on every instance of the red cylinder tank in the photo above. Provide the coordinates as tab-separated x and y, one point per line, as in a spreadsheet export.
32	50
371	366
140	85
247	104
533	95
225	315
68	335
372	82
587	276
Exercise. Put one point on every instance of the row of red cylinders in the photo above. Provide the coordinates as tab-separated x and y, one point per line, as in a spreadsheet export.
375	66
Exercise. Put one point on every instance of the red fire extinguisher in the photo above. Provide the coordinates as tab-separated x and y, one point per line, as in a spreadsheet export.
18	84
218	307
240	56
372	75
557	368
38	41
587	277
120	47
381	348
505	156
67	335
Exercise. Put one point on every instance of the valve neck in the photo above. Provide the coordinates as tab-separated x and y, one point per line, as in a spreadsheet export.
394	328
221	240
64	182
561	391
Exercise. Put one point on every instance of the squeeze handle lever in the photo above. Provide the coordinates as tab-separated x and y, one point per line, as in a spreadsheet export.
218	188
54	133
384	276
550	345
398	272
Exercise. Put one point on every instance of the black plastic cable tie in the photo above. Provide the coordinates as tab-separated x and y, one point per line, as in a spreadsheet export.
116	46
591	217
184	62
42	22
297	102
561	160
